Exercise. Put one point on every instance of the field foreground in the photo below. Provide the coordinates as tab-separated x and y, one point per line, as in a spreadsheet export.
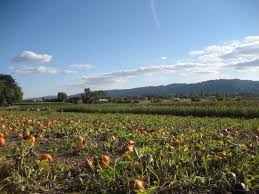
124	153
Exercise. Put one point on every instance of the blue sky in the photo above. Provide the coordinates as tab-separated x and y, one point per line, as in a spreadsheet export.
68	45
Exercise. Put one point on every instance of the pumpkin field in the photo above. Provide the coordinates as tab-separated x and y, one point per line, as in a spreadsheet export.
55	152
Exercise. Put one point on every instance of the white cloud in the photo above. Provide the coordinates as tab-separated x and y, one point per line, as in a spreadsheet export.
28	56
69	72
211	62
29	70
154	14
241	56
196	53
115	78
252	38
205	71
252	65
133	73
163	58
81	66
231	54
247	50
108	80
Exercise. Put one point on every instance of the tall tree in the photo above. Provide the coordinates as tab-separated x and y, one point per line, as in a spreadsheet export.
86	97
10	92
62	96
91	97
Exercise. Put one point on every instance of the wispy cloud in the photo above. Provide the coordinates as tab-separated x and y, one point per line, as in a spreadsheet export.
163	58
81	66
154	13
113	79
235	54
252	65
69	72
30	56
239	55
29	70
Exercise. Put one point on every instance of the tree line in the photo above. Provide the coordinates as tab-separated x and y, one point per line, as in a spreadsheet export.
87	97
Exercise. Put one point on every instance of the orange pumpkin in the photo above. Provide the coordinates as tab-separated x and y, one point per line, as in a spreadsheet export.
46	157
137	185
104	161
31	139
127	148
1	134
2	141
80	138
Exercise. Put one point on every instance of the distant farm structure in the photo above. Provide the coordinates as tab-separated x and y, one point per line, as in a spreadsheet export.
103	100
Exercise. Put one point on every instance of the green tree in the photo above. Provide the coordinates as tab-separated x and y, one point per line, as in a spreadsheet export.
74	99
91	97
62	96
1	86
87	96
98	95
10	92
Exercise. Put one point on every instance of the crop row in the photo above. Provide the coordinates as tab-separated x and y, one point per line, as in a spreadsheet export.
50	152
246	109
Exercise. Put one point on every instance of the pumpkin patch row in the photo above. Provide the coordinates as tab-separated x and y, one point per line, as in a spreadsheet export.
114	153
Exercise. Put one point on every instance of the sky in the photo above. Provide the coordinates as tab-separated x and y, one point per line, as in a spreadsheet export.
52	46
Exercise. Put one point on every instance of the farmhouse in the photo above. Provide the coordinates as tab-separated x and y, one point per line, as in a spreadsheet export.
103	100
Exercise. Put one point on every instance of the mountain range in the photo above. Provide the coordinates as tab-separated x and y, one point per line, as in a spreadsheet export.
231	87
228	87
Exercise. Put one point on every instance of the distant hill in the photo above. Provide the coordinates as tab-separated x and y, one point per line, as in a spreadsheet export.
230	87
40	98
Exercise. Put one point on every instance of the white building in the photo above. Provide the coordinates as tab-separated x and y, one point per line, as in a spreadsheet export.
103	100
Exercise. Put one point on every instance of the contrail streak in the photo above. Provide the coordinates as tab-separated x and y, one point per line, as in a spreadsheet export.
154	14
